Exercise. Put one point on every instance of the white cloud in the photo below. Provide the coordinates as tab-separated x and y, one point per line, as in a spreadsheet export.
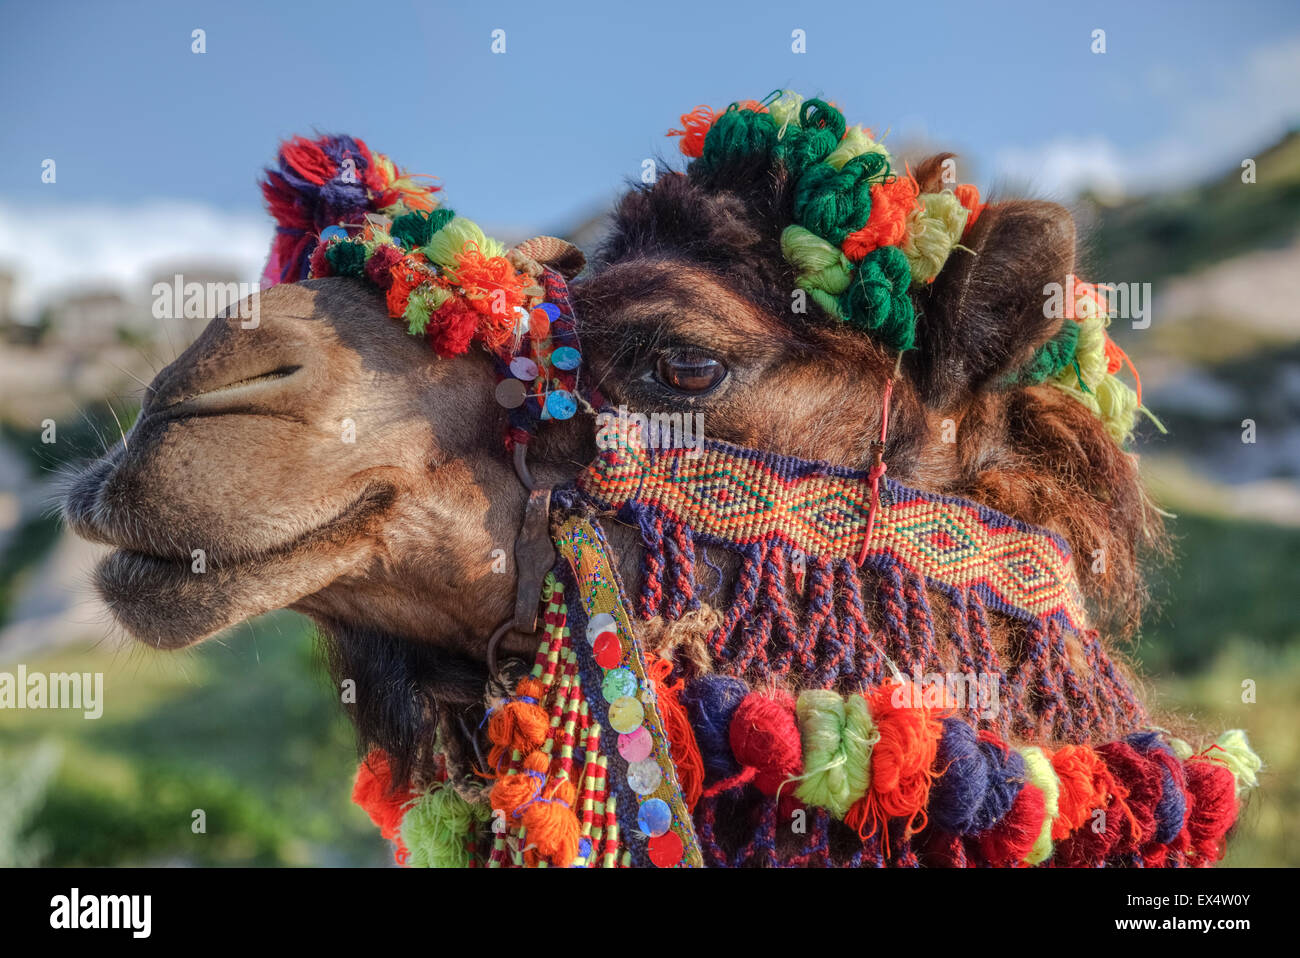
1254	105
53	249
1064	167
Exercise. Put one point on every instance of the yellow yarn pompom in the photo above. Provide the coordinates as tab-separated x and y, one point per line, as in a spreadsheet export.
824	272
1109	398
1235	752
933	229
454	237
856	142
1039	771
785	110
837	740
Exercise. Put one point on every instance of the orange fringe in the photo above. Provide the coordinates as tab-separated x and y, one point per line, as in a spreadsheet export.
695	127
901	765
684	749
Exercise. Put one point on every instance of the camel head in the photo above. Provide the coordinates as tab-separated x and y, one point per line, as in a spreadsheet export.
329	462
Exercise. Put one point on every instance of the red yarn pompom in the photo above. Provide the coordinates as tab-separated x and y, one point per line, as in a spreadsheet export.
1214	806
451	328
1141	777
319	265
1010	841
765	736
380	265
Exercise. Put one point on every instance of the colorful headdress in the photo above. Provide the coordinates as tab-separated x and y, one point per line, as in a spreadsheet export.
864	236
342	210
330	181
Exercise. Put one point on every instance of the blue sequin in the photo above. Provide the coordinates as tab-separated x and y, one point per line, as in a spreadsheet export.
566	357
654	817
561	404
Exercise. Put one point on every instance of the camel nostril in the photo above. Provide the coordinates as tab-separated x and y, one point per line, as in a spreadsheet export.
236	389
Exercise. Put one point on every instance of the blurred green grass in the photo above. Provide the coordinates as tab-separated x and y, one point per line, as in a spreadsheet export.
247	729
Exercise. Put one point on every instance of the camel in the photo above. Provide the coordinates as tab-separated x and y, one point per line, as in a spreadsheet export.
327	463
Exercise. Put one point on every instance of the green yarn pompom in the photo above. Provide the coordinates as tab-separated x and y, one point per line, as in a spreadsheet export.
1053	356
837	738
347	258
815	139
877	300
454	237
421	305
416	228
738	134
834	203
824	272
438	826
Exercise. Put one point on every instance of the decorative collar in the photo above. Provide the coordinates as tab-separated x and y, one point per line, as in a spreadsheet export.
607	754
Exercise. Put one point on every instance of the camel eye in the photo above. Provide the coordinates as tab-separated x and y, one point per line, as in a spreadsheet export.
688	372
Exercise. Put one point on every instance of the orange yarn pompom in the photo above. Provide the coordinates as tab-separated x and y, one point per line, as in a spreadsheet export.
682	746
887	224
901	763
374	791
1086	785
544	808
407	274
493	288
695	127
551	825
520	725
968	195
513	791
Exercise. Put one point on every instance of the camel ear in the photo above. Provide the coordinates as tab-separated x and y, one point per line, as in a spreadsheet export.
984	314
560	255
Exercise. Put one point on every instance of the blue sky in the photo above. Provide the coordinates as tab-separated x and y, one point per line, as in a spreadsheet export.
585	91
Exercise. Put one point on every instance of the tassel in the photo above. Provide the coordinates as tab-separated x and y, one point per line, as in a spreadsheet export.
520	725
677	726
544	808
439	829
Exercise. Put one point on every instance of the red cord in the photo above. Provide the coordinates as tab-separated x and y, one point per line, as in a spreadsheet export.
877	470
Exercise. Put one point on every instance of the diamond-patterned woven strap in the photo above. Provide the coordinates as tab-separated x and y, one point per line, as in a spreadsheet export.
741	497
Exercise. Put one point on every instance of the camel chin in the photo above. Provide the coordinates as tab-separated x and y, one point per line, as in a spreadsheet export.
162	604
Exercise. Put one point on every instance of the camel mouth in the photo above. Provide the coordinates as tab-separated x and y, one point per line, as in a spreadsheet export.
171	602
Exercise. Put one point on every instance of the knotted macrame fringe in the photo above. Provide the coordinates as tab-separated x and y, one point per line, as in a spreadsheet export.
772	627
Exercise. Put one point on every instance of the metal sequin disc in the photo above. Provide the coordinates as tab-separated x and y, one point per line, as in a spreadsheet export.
601	622
644	777
636	745
521	367
510	393
626	714
566	357
654	817
618	683
561	404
